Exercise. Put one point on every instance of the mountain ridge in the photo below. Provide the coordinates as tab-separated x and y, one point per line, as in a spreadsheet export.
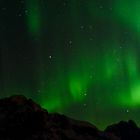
22	118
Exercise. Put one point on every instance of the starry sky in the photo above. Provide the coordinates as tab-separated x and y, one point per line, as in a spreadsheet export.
80	58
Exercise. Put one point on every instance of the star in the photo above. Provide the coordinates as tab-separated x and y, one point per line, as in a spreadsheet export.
4	8
26	11
127	110
82	26
110	8
85	94
100	6
91	76
85	104
38	91
70	42
50	57
91	39
90	27
19	15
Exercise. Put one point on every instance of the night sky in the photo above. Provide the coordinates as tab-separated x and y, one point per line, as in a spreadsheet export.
80	58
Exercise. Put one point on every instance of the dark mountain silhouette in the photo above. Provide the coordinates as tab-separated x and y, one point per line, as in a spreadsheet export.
23	119
125	130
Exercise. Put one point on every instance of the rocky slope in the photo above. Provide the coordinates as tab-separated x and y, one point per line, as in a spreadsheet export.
23	119
125	130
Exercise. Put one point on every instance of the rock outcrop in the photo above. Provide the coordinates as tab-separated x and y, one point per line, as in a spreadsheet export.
125	130
23	119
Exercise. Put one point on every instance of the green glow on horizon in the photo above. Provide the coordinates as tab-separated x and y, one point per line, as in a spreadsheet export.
131	63
80	74
52	104
132	69
135	93
33	16
133	99
111	67
77	88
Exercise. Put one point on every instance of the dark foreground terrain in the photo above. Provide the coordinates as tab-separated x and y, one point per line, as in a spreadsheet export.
23	119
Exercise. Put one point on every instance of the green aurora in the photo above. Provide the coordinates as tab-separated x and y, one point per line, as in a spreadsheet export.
79	58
